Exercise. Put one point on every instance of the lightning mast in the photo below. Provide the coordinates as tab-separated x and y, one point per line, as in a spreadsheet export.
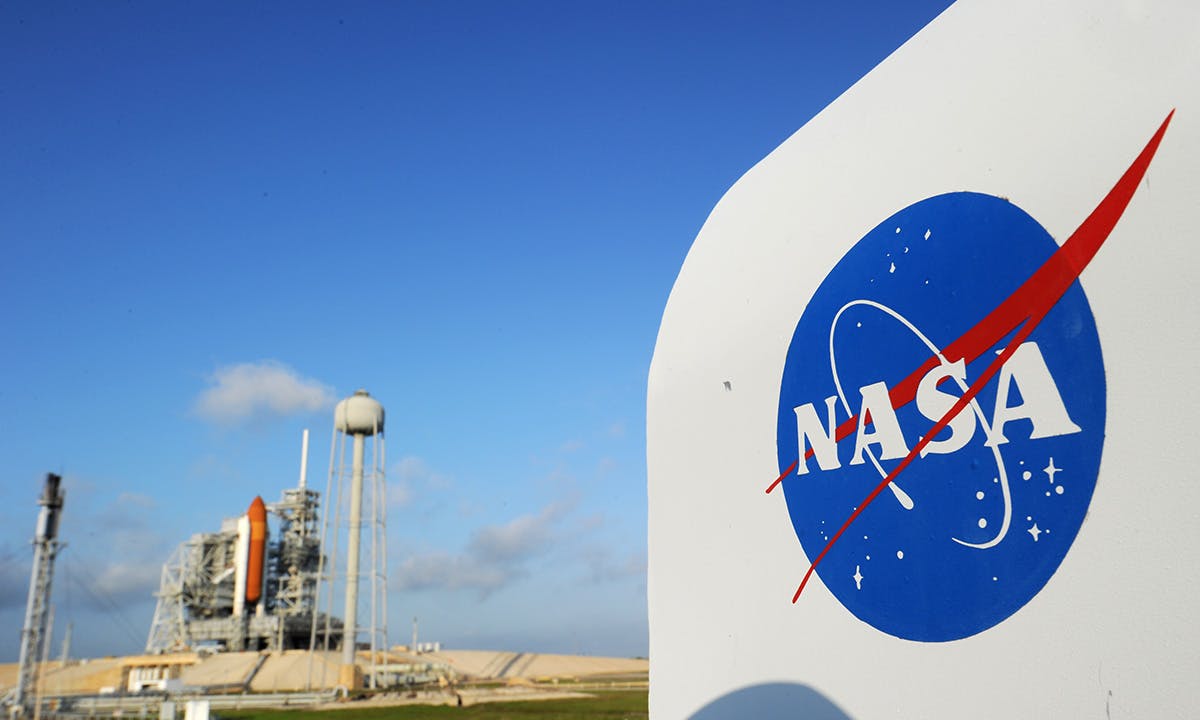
34	640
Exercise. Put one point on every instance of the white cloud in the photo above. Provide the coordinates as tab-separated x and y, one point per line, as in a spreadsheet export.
399	493
495	556
247	390
602	566
123	581
413	469
113	553
515	540
410	477
440	570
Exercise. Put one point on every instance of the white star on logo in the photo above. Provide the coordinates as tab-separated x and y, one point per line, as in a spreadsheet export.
1050	470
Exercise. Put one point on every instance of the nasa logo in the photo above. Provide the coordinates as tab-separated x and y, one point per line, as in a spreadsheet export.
941	412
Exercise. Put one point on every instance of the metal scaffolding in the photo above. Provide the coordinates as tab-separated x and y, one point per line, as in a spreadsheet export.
202	596
34	635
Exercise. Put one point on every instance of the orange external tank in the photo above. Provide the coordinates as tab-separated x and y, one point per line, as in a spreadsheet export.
257	514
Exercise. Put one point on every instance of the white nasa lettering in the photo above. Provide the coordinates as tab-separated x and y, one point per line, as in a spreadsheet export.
1041	404
933	404
877	405
823	443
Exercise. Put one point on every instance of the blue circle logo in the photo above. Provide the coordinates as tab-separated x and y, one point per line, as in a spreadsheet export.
941	418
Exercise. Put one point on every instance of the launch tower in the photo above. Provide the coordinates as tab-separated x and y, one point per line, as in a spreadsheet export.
236	589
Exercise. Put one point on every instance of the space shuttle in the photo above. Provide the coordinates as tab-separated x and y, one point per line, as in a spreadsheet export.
251	552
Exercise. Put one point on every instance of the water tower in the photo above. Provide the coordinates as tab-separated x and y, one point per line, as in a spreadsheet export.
358	420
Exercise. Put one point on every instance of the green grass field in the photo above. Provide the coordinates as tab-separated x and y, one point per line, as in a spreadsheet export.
607	704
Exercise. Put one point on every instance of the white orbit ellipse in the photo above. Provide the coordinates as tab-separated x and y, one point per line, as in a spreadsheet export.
902	497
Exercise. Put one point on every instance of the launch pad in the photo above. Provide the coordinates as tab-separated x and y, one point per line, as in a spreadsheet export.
246	588
205	594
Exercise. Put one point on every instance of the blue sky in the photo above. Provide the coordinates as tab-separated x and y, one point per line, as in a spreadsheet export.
214	224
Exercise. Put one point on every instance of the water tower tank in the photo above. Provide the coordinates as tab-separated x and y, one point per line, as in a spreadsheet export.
359	414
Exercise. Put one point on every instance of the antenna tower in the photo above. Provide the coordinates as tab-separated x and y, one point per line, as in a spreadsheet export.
34	640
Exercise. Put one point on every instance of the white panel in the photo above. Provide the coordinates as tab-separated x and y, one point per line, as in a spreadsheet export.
1042	104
